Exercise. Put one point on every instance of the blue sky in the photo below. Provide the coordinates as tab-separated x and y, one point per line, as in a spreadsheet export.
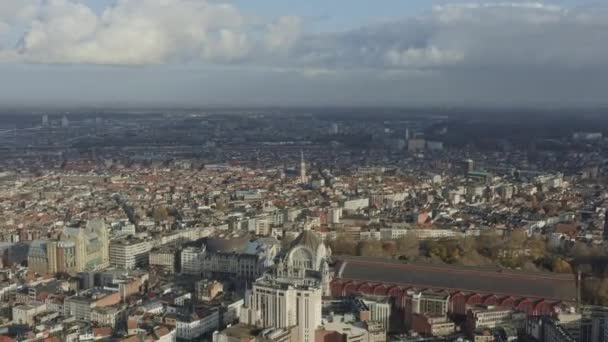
328	14
304	52
338	14
344	14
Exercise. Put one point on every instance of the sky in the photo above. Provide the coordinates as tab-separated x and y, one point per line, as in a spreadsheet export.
189	53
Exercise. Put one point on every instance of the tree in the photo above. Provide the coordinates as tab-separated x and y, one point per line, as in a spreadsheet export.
408	246
517	239
371	248
468	244
486	244
160	214
446	251
469	255
537	247
343	245
389	248
561	266
580	250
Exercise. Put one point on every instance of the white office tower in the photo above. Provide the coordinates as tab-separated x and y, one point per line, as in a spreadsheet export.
303	178
273	303
65	123
45	120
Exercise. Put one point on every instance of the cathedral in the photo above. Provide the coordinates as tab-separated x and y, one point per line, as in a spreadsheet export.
305	262
290	294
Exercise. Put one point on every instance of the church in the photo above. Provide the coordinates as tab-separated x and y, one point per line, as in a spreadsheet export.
290	294
305	262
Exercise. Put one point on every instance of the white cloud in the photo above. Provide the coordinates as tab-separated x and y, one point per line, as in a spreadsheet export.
15	10
504	35
134	32
141	32
137	32
423	57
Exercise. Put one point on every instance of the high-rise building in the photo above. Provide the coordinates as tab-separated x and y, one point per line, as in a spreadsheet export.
303	177
290	295
45	120
274	303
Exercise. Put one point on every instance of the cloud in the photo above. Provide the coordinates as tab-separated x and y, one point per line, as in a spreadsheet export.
134	32
469	35
423	57
284	33
490	52
13	12
141	32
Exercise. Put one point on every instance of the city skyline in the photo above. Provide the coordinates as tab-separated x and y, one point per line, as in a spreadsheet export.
274	225
303	171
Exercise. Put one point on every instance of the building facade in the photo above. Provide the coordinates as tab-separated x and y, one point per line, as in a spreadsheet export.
77	249
291	293
91	245
273	304
129	254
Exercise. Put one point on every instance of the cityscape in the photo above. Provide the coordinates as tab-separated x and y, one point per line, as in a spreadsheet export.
319	171
321	226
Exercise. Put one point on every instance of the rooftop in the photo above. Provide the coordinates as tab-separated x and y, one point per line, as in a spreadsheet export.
448	277
309	239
